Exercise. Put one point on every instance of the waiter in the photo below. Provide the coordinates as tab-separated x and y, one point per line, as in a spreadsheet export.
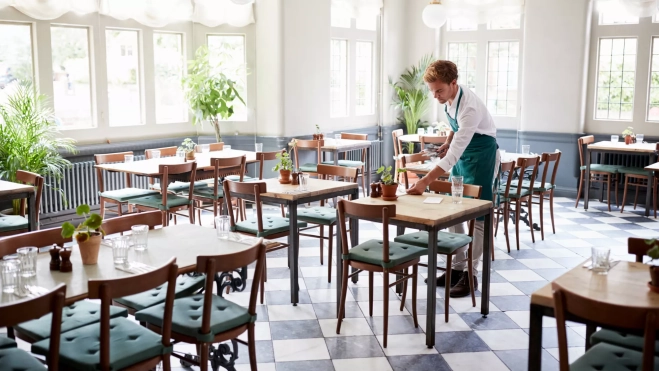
470	151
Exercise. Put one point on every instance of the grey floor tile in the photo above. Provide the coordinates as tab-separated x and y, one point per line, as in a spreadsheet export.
550	274
517	360
285	330
309	261
278	273
284	297
264	352
281	253
459	342
494	321
397	325
507	264
361	293
354	347
529	287
422	305
328	310
315	283
506	303
569	263
426	362
550	338
526	254
323	365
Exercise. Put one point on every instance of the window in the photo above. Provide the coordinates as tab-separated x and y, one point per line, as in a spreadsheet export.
15	56
72	88
616	17
169	63
502	72
227	53
461	24
464	56
653	100
367	22
124	80
339	78
340	18
508	22
616	72
364	78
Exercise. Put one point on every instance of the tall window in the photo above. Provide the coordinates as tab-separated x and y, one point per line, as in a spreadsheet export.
502	73
364	78
464	56
124	81
72	88
613	18
615	78
339	78
15	56
653	100
461	24
227	52
169	63
509	22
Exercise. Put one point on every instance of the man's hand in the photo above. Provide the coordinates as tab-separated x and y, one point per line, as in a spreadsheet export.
441	151
417	189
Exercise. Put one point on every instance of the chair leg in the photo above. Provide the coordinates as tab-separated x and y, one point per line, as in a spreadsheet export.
363	182
608	191
265	278
119	209
329	253
191	213
624	195
402	299
199	212
636	195
518	209
551	210
615	194
579	191
506	216
203	357
165	218
166	362
470	267
542	217
447	288
344	292
251	345
370	294
322	242
654	195
102	211
385	303
283	211
529	203
415	278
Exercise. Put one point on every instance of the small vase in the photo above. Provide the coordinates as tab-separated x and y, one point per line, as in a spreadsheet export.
628	139
285	176
189	155
89	249
389	192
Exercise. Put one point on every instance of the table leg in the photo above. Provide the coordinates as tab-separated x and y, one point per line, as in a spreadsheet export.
488	241
648	194
432	288
293	251
32	212
354	235
535	338
399	288
586	193
339	266
367	170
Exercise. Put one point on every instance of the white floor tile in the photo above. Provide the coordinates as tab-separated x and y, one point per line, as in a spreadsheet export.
406	345
505	339
644	233
587	234
312	251
570	215
540	263
261	332
327	296
300	350
317	271
289	312
613	220
601	227
362	364
501	289
520	275
523	319
562	253
573	353
651	225
349	327
455	323
474	361
277	262
261	367
281	284
378	308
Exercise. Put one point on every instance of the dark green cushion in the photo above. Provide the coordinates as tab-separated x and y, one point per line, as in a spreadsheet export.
620	339
185	186
6	342
185	286
613	169
371	252
309	168
76	315
607	357
125	194
345	163
271	225
236	178
12	223
634	171
186	319
155	201
130	344
537	186
18	360
513	193
447	242
208	192
316	215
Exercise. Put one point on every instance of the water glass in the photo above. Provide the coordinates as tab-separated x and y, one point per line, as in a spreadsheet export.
614	138
120	247
456	193
27	257
337	137
420	131
9	269
128	158
600	260
205	148
228	148
222	226
458	181
526	149
140	235
304	181
258	147
180	154
639	138
155	154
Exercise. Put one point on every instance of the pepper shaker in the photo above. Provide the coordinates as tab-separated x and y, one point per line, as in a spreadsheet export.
54	258
65	264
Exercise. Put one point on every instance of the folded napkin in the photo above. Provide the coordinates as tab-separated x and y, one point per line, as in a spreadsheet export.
135	268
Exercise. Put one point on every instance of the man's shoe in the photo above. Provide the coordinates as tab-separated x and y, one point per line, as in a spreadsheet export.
461	289
441	280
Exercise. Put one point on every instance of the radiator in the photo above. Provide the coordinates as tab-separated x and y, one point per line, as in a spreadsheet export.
376	155
622	159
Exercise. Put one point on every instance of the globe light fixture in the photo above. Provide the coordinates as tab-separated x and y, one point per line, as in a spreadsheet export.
434	14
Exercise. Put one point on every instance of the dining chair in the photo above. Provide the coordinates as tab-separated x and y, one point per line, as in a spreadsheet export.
605	174
13	224
637	176
523	194
605	356
502	202
169	204
119	343
387	257
431	139
205	319
212	147
215	195
411	159
13	358
398	150
309	167
360	165
448	243
176	187
261	157
164	152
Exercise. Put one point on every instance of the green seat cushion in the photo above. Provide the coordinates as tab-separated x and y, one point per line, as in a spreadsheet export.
18	360
537	186
316	215
236	178
185	186
447	242
620	339
345	163
6	342
309	168
185	286
607	357
186	319
371	252
155	201
271	225
208	192
513	193
634	171
130	344
613	169
125	194
12	223
74	316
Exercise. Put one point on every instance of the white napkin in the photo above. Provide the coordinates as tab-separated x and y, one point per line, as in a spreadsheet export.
433	200
135	268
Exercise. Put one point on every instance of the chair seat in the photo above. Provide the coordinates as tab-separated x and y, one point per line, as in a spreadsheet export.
185	286
513	193
12	223
208	192
130	344
177	187
125	194
18	360
607	357
236	178
6	342
186	318
309	168
271	225
345	163
74	316
316	215
537	186
447	243
634	171
620	339
155	201
613	169
371	252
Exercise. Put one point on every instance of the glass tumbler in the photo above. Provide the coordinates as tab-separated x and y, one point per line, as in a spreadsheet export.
304	181
258	147
420	131
205	148
180	154
226	147
614	138
639	138
27	257
456	193
222	226
457	181
120	247
140	235
155	154
600	260
128	158
526	149
9	270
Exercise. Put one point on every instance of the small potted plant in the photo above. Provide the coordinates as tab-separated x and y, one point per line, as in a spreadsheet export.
284	166
389	185
318	135
653	253
629	136
188	147
88	234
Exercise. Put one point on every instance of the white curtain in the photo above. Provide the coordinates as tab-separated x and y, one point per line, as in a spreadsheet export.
483	11
211	13
636	8
358	8
51	9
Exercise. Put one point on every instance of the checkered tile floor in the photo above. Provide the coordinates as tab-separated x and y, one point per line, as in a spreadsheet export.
303	337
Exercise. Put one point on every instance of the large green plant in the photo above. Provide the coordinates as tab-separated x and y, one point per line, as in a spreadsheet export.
411	96
209	92
29	136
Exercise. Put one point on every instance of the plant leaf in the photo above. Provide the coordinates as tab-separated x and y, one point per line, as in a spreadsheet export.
68	229
82	209
94	221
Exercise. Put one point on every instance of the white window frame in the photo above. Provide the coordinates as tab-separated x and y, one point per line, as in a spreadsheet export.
141	72
184	55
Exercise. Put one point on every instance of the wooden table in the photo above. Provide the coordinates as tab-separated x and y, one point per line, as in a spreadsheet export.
620	147
411	212
288	194
625	284
184	241
13	191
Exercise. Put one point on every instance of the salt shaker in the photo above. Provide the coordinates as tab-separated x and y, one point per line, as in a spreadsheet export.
65	264
54	258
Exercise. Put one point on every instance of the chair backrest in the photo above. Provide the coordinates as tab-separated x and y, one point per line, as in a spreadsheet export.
377	213
164	152
188	168
356	136
331	172
507	167
227	263
109	289
397	147
301	143
525	163
266	156
549	160
606	315
588	139
231	164
107	158
123	223
212	147
42	238
431	139
409	159
36	181
251	188
25	310
638	247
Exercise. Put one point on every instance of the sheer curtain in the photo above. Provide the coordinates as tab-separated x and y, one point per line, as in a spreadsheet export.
358	8
636	8
483	11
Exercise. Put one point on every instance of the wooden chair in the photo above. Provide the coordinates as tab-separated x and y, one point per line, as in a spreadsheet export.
448	243
12	358
398	150
523	194
176	187
410	159
13	224
502	207
215	195
204	319
120	343
212	147
262	157
431	139
164	152
640	178
377	256
170	203
630	317
598	173
311	168
360	165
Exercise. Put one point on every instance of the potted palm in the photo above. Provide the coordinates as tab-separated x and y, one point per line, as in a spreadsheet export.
88	234
389	185
188	147
284	166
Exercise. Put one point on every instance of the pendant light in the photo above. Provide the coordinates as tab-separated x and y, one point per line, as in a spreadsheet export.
434	14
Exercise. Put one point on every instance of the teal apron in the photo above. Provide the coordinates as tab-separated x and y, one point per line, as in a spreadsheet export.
476	165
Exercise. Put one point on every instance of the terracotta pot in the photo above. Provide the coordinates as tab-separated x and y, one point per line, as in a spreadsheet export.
628	139
284	176
389	191
189	155
89	249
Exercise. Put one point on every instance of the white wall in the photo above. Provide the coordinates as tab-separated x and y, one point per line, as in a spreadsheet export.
394	33
269	68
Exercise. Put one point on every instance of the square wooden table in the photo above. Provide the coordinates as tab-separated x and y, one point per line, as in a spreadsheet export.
14	191
412	212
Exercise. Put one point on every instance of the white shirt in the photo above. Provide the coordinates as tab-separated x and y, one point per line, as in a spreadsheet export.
473	117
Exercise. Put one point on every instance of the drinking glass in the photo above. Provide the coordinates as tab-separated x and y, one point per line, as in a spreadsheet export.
600	260
27	257
614	138
155	154
526	149
180	154
456	193
120	247
337	137
420	131
228	148
457	181
140	236
502	153
9	269
639	138
222	226
128	158
304	181
205	148
258	147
